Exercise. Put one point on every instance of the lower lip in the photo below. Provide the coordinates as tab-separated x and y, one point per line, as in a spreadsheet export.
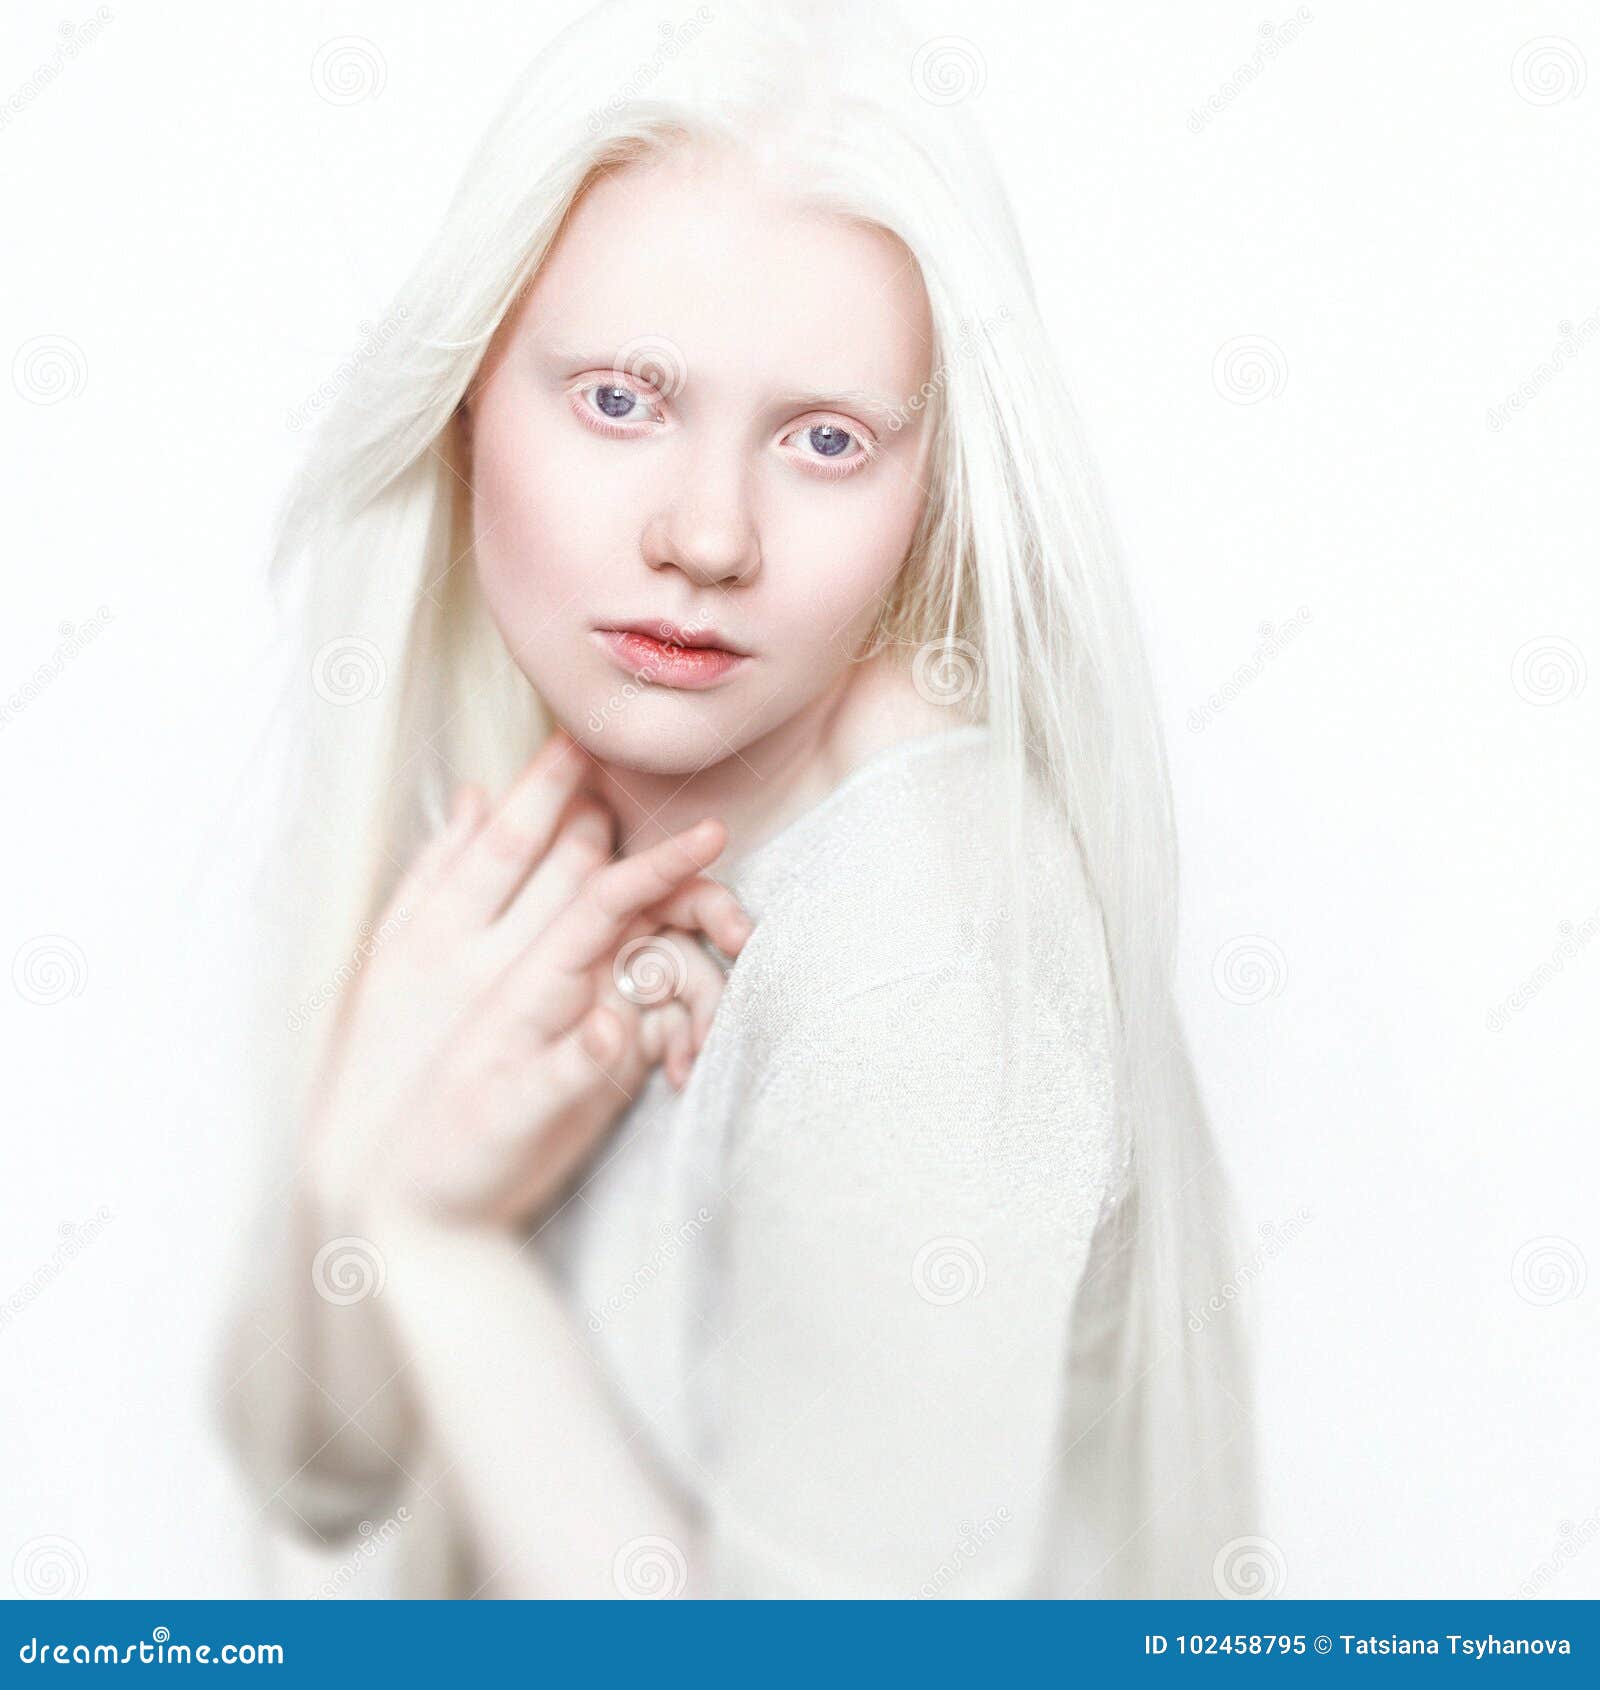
649	660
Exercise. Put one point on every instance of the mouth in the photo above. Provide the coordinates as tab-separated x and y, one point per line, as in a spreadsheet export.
661	653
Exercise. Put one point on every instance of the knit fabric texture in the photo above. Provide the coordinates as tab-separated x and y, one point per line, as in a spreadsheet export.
832	1283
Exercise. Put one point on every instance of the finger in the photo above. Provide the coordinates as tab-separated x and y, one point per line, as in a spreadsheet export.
435	857
591	819
679	1058
653	1028
701	990
518	832
548	1002
665	1035
706	905
582	846
586	1078
593	1053
650	969
592	922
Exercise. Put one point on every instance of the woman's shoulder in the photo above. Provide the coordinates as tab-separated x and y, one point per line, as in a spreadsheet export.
901	886
880	992
905	869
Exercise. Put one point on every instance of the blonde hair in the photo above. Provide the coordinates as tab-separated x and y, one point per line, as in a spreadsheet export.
1013	584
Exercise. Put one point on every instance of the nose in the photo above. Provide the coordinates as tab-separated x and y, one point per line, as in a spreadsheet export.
706	528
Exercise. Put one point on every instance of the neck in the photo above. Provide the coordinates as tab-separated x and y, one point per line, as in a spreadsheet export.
758	789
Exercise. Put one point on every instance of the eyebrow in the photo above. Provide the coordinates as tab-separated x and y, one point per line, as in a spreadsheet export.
845	398
798	399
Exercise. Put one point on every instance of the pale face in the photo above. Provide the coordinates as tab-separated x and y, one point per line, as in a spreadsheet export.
686	425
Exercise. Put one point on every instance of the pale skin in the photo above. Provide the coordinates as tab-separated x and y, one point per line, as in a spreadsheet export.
488	1051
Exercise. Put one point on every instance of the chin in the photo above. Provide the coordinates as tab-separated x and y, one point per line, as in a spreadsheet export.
650	731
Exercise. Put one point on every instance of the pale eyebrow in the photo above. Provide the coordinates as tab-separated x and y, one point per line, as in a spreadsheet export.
817	399
573	358
841	399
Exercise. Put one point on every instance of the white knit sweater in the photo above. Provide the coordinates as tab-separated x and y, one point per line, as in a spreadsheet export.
841	1287
831	1281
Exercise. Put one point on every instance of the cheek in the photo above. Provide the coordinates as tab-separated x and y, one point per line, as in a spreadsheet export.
542	526
845	546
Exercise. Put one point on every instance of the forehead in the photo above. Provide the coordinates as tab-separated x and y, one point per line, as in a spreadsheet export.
755	289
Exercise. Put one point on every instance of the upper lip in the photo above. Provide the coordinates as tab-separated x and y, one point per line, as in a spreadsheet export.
669	633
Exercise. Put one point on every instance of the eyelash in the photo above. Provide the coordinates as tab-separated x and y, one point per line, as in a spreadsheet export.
867	451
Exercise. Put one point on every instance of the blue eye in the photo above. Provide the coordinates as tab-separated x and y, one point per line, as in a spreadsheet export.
831	449
615	402
827	440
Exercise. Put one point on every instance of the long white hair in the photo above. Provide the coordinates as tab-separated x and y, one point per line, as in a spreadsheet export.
1013	582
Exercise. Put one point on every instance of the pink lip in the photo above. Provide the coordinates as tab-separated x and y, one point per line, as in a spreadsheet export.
669	633
646	658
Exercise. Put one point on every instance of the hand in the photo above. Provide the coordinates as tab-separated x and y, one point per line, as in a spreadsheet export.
486	1046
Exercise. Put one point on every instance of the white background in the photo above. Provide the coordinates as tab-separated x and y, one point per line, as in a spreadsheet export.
1397	811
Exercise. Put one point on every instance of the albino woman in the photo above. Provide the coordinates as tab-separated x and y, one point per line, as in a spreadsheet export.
827	1224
